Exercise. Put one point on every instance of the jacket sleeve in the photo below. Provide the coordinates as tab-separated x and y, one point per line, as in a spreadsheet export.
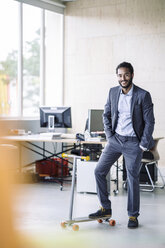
149	121
107	118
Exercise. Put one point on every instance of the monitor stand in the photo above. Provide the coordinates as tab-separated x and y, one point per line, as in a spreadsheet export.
51	129
51	123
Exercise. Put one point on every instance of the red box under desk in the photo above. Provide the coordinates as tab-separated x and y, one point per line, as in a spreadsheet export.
52	167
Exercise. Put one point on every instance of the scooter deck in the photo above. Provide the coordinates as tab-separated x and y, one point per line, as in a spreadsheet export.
86	219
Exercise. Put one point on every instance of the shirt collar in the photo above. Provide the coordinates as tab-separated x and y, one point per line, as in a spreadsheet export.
130	92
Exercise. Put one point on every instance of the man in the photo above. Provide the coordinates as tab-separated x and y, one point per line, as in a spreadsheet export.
128	122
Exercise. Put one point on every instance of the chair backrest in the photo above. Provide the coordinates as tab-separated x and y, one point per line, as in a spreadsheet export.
154	150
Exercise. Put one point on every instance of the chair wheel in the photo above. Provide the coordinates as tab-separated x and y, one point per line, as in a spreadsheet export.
125	185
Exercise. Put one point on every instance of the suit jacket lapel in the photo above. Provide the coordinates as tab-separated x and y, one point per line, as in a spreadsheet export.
134	97
117	98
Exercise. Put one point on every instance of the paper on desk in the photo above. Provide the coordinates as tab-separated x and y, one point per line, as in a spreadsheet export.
68	136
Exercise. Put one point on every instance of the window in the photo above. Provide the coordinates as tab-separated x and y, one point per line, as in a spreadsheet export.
31	61
9	58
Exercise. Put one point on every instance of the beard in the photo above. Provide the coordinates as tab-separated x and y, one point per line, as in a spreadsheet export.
128	83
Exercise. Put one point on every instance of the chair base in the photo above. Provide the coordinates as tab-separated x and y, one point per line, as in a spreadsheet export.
152	186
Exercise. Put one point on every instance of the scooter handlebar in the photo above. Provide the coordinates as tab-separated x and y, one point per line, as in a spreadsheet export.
65	155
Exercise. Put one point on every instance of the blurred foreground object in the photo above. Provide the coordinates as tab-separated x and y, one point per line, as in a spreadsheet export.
8	237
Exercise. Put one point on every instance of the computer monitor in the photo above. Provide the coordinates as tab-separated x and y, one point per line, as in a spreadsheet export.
95	120
55	117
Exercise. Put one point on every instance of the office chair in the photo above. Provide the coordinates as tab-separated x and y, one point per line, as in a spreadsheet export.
150	160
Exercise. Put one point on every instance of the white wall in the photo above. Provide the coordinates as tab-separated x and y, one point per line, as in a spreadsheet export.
99	34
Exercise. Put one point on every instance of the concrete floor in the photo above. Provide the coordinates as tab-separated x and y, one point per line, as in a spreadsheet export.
41	207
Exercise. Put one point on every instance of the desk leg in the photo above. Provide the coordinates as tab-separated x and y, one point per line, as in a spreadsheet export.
61	186
43	150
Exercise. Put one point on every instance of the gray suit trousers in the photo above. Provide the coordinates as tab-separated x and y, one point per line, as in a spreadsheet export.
116	146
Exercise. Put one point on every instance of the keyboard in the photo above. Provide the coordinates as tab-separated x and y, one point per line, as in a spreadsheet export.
49	134
68	136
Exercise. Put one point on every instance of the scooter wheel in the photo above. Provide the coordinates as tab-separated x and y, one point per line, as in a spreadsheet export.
75	227
112	222
100	220
63	224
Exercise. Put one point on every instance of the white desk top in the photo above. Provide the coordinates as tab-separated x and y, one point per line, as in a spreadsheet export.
39	138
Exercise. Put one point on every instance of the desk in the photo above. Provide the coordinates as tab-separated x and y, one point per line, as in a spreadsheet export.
29	139
39	138
24	140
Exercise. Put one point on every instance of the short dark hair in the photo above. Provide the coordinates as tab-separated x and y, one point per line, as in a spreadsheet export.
126	65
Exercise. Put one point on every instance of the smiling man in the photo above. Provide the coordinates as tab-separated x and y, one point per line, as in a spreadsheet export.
129	123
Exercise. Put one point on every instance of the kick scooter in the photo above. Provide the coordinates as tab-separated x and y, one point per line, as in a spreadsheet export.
71	221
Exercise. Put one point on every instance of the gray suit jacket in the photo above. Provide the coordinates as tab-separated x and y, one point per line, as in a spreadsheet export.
141	111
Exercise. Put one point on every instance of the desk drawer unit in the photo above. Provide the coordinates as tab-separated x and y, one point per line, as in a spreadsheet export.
86	178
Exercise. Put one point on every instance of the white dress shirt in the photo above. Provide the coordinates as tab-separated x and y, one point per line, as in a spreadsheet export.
124	125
